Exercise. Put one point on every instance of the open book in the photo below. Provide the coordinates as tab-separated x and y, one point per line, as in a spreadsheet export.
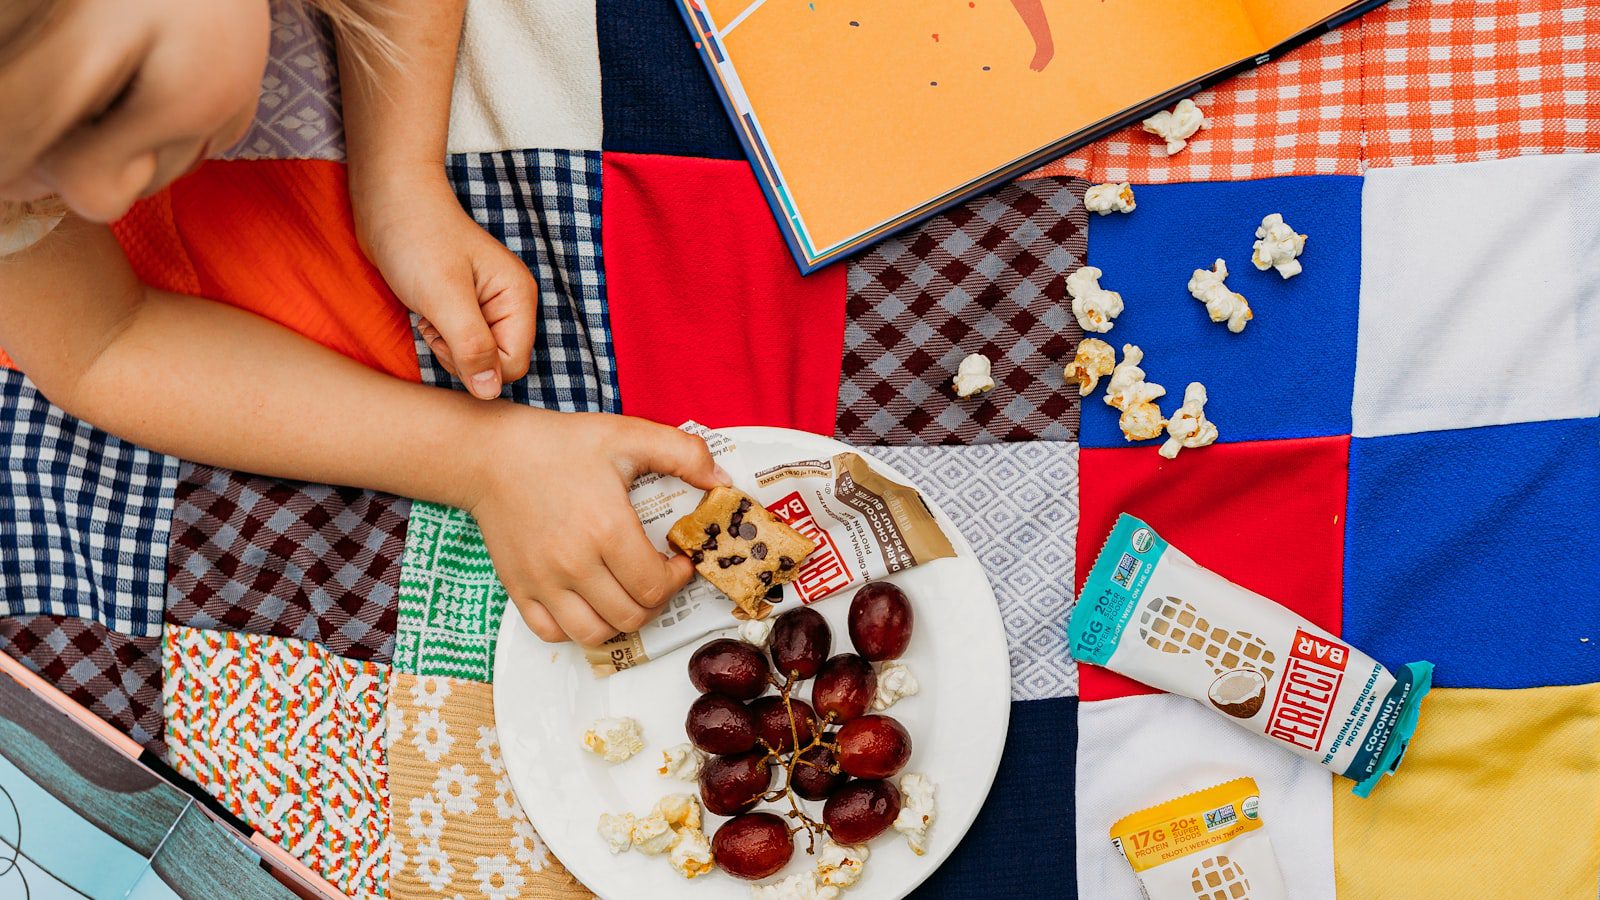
861	119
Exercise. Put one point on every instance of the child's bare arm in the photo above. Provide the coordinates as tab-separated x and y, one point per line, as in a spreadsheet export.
211	383
475	297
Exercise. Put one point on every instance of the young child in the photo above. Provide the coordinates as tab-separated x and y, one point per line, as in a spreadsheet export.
104	101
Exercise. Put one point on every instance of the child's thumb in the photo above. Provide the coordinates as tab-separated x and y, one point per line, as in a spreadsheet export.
660	448
472	345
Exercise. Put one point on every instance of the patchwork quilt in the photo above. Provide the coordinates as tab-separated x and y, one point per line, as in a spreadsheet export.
1409	453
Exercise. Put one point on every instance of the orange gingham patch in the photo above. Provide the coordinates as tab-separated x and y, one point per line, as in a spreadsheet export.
1456	82
1298	115
290	738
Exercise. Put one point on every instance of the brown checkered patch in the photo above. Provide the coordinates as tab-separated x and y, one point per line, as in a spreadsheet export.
987	277
115	676
287	559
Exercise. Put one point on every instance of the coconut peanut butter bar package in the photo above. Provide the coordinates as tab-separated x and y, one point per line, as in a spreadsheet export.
1151	613
864	524
1208	845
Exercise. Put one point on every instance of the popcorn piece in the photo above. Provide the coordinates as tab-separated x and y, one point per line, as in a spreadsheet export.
691	853
614	740
1106	199
682	761
679	811
1095	358
617	831
652	836
799	886
973	376
1141	422
756	631
1127	386
1222	304
840	866
895	681
1093	305
1189	426
1141	419
1278	247
1177	126
916	811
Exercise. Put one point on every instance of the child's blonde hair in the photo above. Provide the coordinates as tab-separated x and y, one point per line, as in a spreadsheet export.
356	23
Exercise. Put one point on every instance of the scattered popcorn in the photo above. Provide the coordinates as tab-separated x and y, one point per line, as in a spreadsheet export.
1177	126
614	740
1095	358
617	831
1189	426
799	886
652	836
916	811
973	376
1093	305
682	761
895	682
1222	304
691	853
840	866
679	811
756	631
1278	247
1106	199
1128	391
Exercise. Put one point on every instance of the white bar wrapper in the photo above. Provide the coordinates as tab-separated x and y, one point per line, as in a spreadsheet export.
865	524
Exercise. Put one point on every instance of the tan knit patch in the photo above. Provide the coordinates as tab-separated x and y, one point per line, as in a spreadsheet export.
456	826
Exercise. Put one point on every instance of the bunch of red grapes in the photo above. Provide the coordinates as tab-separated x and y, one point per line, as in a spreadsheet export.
749	718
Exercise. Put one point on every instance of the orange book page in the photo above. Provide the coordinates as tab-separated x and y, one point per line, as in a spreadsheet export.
1278	20
873	109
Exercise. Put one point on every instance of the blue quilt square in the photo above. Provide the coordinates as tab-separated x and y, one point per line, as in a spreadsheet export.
1291	372
1021	843
655	93
1477	550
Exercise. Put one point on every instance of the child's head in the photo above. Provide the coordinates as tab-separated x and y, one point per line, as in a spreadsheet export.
105	101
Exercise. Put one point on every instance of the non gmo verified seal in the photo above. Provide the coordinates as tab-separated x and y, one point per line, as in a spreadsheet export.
1143	540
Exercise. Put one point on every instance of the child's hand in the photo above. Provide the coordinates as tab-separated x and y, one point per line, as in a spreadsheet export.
476	299
555	515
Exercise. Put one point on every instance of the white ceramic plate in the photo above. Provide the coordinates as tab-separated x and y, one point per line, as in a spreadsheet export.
545	698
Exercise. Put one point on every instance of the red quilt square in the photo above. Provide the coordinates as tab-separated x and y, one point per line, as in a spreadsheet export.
1268	515
274	237
710	318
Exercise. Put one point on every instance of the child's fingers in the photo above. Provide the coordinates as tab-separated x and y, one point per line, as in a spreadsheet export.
660	448
608	597
577	618
541	622
435	342
472	345
649	578
511	317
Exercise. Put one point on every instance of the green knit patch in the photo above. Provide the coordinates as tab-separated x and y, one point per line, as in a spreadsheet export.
450	600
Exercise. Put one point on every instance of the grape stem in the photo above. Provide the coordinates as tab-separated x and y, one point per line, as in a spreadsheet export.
811	826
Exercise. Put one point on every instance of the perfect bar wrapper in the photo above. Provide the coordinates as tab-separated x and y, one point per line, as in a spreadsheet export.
865	526
1209	845
1151	613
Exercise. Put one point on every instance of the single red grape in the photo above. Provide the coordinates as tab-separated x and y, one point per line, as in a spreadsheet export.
801	640
816	774
720	724
844	687
727	666
861	810
873	747
880	621
752	846
773	722
730	785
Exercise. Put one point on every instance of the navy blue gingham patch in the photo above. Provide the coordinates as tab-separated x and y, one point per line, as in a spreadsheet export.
545	206
84	517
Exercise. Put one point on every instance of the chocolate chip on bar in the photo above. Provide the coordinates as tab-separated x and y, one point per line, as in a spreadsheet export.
740	547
